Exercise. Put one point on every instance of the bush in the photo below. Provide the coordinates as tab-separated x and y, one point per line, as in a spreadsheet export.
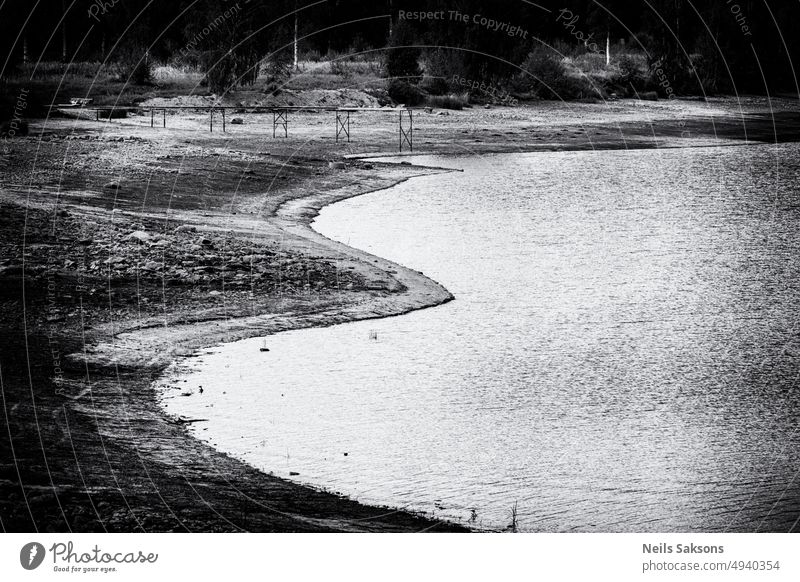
545	76
402	57
629	76
134	65
405	93
677	75
340	68
632	71
220	70
441	65
451	101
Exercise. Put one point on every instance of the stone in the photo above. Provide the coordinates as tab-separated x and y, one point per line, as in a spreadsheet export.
237	121
139	236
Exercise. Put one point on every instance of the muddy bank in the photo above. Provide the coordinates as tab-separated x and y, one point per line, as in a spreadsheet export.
126	249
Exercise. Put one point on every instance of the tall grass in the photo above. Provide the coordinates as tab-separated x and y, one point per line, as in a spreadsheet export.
451	101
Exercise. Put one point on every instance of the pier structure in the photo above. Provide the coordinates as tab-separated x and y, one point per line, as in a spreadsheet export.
280	117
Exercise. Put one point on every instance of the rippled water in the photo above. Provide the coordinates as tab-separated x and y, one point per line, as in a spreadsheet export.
622	354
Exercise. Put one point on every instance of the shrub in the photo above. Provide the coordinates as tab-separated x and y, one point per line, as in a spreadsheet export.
678	75
339	67
545	76
451	101
631	71
248	66
278	67
405	93
629	76
134	65
220	70
441	65
402	57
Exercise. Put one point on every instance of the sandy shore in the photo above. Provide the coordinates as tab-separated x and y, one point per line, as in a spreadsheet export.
144	248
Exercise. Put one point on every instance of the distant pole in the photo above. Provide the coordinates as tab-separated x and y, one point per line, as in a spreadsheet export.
608	48
63	33
296	63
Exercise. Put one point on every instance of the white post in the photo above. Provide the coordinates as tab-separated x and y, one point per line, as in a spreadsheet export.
296	64
608	49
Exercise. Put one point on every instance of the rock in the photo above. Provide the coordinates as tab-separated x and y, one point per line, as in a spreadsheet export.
139	236
237	121
113	186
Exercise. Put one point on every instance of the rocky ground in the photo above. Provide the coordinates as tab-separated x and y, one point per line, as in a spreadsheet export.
125	248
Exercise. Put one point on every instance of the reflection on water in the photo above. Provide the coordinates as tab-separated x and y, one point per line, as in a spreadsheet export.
622	354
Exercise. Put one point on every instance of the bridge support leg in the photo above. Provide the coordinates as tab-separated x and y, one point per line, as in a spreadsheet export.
342	125
407	130
280	118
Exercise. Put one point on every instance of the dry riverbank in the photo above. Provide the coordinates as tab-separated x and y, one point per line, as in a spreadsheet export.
126	248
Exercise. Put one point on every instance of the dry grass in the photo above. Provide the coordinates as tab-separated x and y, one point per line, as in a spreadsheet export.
336	74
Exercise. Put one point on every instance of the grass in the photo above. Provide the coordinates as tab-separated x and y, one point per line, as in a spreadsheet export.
55	82
451	101
336	74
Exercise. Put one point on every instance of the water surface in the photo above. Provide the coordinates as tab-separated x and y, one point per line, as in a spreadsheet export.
622	354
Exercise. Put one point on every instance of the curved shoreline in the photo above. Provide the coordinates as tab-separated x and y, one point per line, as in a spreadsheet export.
106	456
396	290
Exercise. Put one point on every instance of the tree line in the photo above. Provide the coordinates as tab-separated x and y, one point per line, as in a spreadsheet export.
699	45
